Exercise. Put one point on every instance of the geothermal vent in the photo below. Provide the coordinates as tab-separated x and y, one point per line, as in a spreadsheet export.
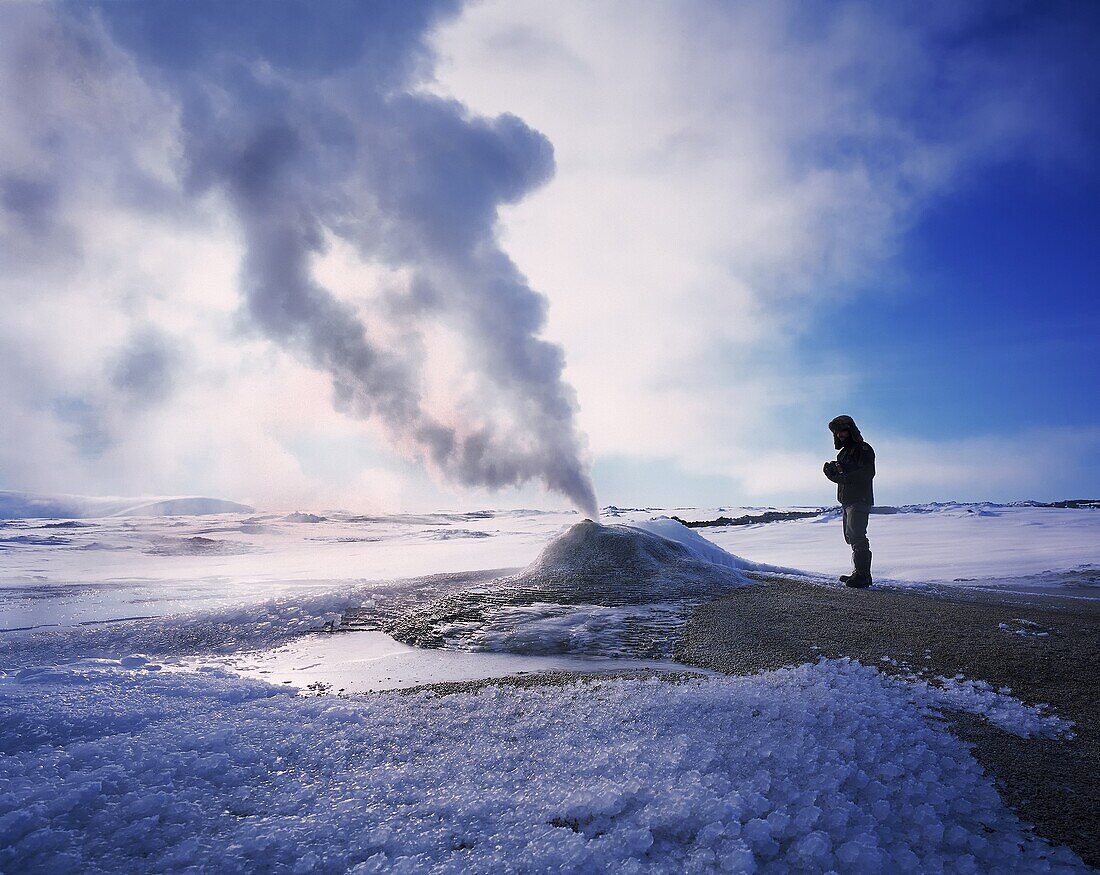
595	590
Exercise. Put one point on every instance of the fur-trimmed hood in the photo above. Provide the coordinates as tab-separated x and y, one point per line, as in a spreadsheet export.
842	422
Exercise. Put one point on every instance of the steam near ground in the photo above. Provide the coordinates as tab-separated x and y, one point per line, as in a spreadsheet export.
149	665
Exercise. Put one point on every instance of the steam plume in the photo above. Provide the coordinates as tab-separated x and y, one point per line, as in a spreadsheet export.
301	116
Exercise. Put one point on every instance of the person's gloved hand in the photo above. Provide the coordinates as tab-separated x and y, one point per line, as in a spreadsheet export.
832	469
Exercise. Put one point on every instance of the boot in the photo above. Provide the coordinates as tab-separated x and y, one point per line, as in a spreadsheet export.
862	577
844	578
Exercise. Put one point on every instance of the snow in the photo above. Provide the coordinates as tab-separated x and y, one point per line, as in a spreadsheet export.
1024	628
139	730
949	543
258	626
108	568
826	766
997	706
698	547
568	605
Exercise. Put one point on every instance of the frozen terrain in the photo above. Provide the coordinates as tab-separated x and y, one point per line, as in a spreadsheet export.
149	665
986	544
824	767
93	569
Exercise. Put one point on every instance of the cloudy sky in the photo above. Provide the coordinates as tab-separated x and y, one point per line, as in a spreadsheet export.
424	255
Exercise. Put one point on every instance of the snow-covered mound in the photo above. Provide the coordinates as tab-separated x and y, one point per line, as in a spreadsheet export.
697	546
628	564
25	505
612	590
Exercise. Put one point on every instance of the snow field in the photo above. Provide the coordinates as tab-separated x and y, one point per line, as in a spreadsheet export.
965	544
829	766
111	568
227	630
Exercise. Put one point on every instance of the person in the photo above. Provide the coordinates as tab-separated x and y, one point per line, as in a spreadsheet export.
852	472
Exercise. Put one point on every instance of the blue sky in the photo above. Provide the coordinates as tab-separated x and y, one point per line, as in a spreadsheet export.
994	324
511	253
991	326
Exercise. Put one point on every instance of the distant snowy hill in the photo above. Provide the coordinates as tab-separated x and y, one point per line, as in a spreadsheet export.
25	505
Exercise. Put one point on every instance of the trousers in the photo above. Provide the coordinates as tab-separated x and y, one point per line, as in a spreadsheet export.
855	526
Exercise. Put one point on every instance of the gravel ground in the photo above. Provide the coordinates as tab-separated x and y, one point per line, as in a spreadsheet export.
1048	650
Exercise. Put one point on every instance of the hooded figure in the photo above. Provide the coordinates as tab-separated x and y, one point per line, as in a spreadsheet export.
852	472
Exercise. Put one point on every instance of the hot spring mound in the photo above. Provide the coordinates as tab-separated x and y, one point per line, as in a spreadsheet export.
595	590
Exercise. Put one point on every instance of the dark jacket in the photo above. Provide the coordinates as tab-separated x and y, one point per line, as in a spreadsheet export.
856	461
